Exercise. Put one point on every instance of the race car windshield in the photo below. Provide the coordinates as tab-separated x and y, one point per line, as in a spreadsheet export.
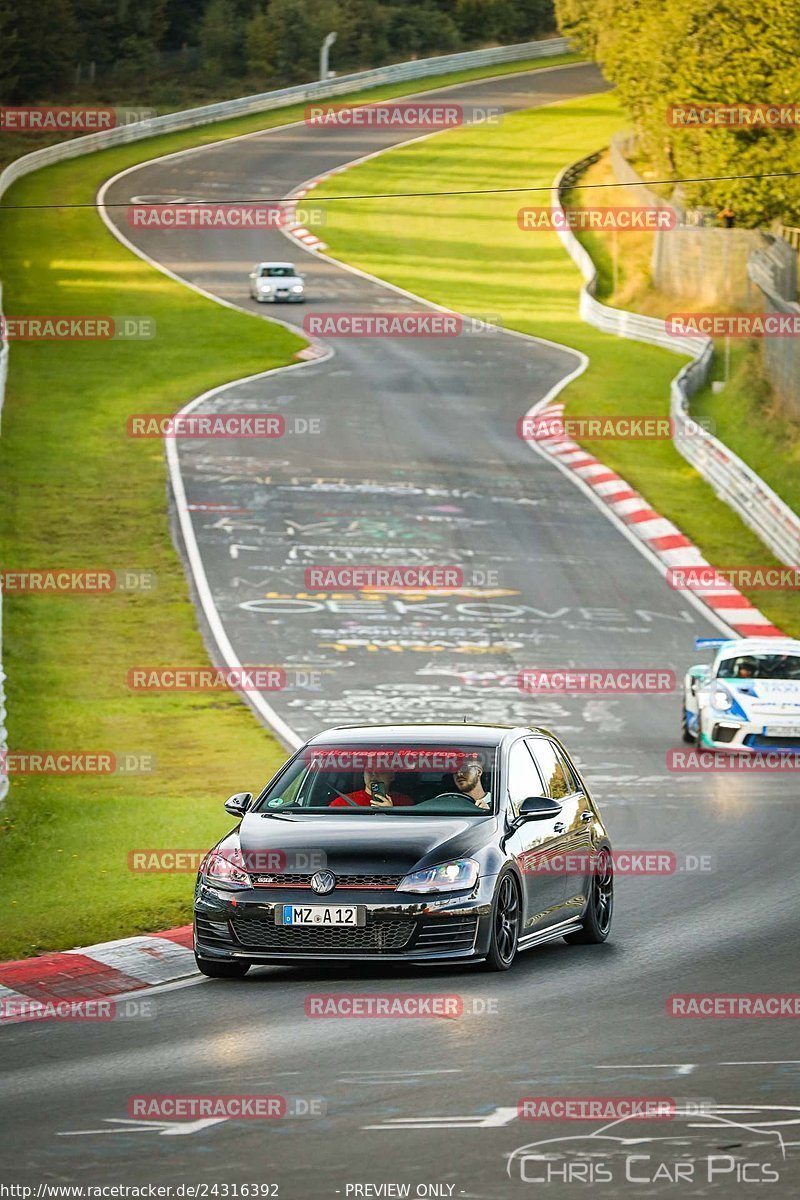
276	272
760	666
423	780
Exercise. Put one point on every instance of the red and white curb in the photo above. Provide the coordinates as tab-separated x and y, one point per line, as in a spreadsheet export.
293	228
34	988
660	536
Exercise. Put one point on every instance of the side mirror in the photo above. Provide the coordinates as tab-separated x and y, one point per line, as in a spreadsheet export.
539	808
698	676
238	804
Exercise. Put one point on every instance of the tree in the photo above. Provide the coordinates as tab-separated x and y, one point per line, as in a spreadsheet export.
221	38
45	40
259	51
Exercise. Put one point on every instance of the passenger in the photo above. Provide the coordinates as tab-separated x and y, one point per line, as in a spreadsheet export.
375	793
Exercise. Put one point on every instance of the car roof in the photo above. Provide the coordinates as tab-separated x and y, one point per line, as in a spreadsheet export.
275	263
427	733
753	645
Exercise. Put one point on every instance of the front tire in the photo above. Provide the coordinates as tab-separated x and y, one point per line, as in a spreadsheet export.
219	969
505	926
686	733
597	921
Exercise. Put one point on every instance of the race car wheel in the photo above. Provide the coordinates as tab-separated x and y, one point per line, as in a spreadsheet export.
505	926
686	732
597	922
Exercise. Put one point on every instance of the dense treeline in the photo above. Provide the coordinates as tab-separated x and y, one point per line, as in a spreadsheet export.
56	48
673	52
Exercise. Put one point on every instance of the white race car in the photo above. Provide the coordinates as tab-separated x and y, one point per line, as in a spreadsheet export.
748	699
273	282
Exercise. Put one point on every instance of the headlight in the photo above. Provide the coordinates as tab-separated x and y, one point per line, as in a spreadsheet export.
265	287
224	867
721	699
453	876
297	287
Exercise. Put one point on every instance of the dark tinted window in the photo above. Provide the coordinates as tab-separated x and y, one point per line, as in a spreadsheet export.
523	778
558	778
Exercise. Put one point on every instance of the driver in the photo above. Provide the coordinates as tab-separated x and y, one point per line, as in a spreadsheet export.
468	781
378	798
746	668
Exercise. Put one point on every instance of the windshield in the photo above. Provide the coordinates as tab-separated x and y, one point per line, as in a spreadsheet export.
761	666
454	780
276	272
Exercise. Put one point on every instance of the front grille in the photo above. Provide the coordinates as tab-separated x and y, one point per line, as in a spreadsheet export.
757	741
382	882
447	933
380	935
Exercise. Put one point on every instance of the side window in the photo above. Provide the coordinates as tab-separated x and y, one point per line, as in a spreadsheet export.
559	780
523	778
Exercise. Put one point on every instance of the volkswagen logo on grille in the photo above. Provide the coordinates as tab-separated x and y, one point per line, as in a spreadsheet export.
323	882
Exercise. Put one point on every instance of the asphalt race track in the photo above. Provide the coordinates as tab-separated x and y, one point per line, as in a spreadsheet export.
419	463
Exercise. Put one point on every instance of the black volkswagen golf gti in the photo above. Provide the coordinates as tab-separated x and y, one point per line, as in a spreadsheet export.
407	843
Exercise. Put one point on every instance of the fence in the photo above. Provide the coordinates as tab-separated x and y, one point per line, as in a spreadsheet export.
264	102
696	260
736	483
773	270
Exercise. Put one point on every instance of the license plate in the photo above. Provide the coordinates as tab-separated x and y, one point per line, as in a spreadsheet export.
321	914
782	731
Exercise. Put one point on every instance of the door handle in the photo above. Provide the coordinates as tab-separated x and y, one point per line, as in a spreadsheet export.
559	827
586	817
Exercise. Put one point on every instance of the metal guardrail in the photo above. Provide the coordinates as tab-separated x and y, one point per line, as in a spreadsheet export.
732	479
209	113
266	101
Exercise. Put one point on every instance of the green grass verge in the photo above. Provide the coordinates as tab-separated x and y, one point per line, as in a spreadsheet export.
77	493
467	253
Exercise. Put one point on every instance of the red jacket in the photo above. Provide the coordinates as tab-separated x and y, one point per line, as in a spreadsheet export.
363	799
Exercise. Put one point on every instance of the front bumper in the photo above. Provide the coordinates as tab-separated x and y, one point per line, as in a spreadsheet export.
720	732
275	298
241	925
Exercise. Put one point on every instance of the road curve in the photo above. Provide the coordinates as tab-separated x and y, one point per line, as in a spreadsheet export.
420	461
